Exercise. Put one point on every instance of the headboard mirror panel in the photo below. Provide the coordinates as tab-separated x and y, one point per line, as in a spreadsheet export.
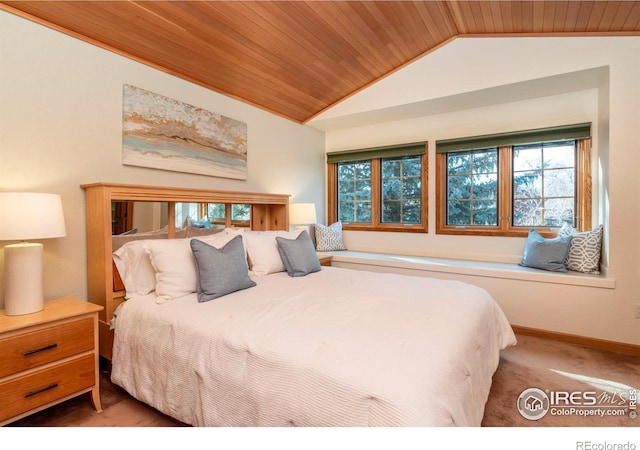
119	208
128	216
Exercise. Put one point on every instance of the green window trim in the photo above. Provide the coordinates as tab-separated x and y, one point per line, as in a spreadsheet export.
540	135
391	151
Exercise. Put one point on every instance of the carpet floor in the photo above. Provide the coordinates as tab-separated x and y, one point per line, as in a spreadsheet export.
551	366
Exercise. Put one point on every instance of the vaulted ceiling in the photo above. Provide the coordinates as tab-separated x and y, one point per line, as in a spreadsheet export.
298	58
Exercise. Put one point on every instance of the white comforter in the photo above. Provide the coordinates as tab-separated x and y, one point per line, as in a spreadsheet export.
335	348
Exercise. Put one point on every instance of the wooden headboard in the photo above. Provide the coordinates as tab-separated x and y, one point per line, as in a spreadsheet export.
268	212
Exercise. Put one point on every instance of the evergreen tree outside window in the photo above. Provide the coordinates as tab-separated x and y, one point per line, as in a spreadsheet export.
506	184
216	213
240	213
401	189
228	214
472	188
354	192
379	189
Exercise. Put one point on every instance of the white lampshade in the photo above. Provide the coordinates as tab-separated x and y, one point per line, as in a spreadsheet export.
302	213
26	215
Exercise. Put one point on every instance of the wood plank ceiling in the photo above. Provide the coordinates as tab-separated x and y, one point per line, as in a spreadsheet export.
298	58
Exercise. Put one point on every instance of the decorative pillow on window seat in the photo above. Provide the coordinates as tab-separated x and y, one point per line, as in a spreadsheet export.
195	231
203	223
585	249
546	254
329	238
298	255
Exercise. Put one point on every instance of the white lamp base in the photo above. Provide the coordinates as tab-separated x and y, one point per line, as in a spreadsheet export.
302	227
23	292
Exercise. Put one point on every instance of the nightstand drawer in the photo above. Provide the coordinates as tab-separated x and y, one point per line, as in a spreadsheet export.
43	386
35	348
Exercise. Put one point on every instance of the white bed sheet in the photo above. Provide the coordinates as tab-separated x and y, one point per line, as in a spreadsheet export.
335	348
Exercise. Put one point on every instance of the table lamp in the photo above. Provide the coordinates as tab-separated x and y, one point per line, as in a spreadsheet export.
302	214
26	215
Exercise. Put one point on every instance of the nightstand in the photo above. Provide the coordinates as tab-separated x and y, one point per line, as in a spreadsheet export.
325	260
48	357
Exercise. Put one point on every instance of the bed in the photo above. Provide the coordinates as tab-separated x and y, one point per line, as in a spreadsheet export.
330	347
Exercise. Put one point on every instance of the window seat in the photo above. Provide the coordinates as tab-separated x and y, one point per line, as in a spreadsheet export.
467	267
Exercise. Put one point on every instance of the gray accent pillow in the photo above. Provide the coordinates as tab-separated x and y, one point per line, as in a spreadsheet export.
221	271
298	255
584	252
546	254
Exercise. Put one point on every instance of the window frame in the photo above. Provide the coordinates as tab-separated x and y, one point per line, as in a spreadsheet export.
505	196
228	222
376	198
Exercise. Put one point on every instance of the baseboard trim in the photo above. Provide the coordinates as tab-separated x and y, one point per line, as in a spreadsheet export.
600	344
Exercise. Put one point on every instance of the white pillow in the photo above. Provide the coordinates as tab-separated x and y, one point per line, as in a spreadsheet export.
134	266
262	249
175	266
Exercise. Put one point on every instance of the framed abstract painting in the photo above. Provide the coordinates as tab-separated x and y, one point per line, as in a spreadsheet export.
162	133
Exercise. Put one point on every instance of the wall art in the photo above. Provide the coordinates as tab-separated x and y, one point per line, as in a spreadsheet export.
162	133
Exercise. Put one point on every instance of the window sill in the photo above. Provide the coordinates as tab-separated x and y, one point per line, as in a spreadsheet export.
391	228
487	231
467	267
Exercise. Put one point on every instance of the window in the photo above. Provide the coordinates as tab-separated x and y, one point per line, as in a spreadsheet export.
216	212
544	188
354	192
472	191
224	214
379	189
542	180
228	214
401	190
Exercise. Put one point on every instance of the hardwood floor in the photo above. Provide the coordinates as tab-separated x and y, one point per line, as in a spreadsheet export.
534	362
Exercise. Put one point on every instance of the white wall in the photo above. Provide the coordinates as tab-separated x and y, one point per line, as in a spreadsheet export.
458	74
61	126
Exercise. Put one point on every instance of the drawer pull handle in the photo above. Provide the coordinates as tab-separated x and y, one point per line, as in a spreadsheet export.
39	391
38	350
